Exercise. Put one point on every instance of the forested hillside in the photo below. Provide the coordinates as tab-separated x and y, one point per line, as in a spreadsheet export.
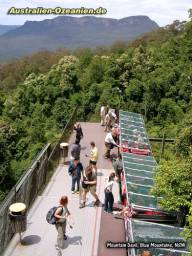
152	76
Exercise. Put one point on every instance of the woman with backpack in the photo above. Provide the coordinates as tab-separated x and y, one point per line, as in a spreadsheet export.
61	215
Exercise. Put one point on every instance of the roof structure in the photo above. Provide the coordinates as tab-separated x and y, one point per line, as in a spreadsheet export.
139	172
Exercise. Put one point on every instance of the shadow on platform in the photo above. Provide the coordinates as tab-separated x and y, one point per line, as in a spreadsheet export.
30	240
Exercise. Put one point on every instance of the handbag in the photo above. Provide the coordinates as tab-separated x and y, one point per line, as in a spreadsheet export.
83	184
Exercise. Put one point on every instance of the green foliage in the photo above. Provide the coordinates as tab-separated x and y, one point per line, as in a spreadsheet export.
174	183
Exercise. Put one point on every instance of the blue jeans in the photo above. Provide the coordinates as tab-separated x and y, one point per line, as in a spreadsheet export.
75	179
109	200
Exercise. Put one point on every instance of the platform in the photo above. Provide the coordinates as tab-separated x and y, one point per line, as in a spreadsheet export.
92	227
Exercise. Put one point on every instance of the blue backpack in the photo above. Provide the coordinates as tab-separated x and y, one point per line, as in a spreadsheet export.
50	218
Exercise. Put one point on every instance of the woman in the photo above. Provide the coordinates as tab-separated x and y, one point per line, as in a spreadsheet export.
79	132
109	199
61	215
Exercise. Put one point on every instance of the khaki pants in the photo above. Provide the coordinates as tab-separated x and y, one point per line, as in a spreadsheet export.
108	150
61	229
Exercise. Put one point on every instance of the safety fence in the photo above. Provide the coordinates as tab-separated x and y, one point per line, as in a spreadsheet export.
35	178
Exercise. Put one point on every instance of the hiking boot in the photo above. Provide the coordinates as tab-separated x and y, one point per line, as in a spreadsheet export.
82	205
97	202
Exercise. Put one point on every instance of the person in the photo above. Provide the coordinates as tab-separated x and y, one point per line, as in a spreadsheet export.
94	156
90	182
79	132
61	215
118	166
107	123
109	199
75	170
75	150
112	117
127	212
102	114
110	143
146	253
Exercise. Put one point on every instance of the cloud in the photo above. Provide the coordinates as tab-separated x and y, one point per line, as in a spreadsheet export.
161	11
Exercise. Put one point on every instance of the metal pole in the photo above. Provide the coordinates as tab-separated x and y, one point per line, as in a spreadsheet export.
163	145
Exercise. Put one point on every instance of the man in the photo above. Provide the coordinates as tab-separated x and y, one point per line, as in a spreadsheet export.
102	114
75	170
89	185
110	143
75	150
118	166
107	123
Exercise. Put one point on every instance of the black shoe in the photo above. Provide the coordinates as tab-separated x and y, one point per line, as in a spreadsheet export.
97	202
82	205
65	237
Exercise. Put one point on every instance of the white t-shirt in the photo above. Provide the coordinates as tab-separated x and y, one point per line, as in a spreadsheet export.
109	139
109	185
94	154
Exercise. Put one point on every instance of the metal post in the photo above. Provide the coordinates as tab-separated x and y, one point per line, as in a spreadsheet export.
163	145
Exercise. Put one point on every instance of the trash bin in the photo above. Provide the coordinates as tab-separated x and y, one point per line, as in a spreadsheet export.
64	148
17	214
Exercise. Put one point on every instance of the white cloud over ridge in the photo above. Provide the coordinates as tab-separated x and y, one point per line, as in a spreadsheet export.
162	11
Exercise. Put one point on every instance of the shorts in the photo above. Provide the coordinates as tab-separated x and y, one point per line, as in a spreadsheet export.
93	162
91	189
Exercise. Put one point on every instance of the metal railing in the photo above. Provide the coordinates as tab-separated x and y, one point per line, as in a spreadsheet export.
32	181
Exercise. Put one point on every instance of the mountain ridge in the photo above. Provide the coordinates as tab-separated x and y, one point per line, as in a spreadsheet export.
71	32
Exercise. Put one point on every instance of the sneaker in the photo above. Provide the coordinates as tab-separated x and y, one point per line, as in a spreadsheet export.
97	202
57	247
73	192
82	205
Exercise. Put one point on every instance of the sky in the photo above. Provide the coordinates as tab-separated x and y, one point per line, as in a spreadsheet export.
162	11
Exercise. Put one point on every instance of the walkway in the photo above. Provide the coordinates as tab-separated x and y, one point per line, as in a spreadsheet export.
83	239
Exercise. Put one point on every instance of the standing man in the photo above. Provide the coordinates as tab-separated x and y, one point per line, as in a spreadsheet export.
75	170
102	114
94	156
110	143
89	185
75	150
